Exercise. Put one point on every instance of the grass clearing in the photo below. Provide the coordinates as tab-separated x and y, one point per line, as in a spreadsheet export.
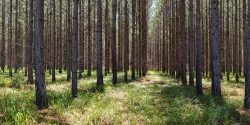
154	100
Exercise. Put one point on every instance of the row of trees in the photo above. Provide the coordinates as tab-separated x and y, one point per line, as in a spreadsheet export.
202	38
49	38
186	37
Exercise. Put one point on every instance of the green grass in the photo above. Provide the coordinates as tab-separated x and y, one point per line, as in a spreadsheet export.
154	100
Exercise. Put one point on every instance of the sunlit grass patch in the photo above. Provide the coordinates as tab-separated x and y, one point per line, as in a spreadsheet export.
18	109
156	99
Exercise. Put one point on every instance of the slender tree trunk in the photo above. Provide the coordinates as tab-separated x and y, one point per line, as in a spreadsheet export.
144	36
99	45
198	49
107	38
207	39
60	38
166	21
94	34
41	98
54	43
247	86
74	49
245	35
183	42
191	42
221	42
3	37
89	39
236	43
133	39
65	42
16	45
139	47
25	46
126	41
216	88
81	42
10	42
240	40
163	52
120	39
177	41
113	37
69	55
229	49
30	43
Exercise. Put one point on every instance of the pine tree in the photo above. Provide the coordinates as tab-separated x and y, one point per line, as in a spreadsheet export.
99	45
2	52
113	38
41	98
74	49
216	89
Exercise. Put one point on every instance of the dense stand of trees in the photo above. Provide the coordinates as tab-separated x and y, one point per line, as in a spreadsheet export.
201	39
187	39
51	36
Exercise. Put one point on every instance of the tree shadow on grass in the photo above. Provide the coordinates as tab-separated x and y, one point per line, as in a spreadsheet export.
120	79
60	101
185	107
65	97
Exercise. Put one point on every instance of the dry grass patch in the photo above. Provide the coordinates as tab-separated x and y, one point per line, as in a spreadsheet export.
49	116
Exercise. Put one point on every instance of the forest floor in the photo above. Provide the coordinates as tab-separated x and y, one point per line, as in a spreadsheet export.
154	100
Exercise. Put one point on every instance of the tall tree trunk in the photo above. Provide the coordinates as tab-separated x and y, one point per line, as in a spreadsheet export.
229	49
65	61
3	37
16	45
183	42
120	39
25	46
247	89
113	38
81	42
221	42
216	88
198	49
207	39
99	45
236	41
41	98
144	36
240	40
107	38
74	49
191	43
60	60
139	38
245	35
10	41
54	42
30	43
89	39
133	39
177	40
93	49
126	41
163	51
69	55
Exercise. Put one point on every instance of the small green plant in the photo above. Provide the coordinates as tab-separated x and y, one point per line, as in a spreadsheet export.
4	82
17	81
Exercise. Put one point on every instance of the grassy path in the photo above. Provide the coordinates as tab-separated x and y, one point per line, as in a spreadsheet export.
154	100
